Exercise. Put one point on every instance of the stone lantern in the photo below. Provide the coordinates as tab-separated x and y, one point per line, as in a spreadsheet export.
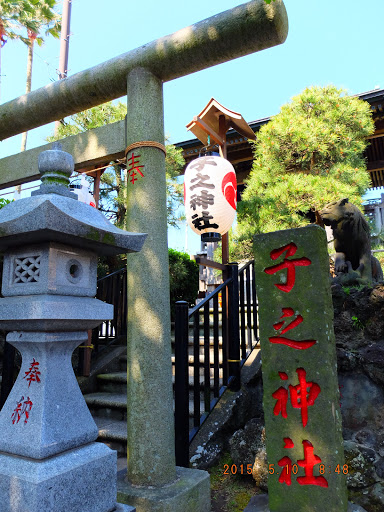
48	458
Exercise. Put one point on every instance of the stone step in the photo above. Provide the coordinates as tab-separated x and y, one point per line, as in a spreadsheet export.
113	433
107	405
113	406
112	383
191	358
201	338
116	383
123	359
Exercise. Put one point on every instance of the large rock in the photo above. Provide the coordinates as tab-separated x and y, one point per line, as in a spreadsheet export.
260	469
362	403
372	358
231	413
361	465
246	443
372	498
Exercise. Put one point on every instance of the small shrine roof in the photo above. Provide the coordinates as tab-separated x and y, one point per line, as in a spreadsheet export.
207	123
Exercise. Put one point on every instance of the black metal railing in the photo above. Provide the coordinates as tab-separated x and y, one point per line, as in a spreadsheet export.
220	340
112	289
248	309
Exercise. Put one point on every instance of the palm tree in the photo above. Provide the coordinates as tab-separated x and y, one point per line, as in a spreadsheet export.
33	16
39	16
9	12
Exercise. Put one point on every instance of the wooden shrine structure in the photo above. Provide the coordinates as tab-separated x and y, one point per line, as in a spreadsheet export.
239	150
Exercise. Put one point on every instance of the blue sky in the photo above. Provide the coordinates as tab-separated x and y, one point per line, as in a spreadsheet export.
329	41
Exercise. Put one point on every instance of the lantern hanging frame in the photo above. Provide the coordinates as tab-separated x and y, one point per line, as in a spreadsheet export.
208	150
210	237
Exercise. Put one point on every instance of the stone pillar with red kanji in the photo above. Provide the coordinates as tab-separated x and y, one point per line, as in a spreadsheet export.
305	457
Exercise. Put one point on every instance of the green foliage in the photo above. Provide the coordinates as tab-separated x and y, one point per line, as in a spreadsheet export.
113	190
308	155
19	16
357	323
184	278
4	202
174	162
90	119
230	492
183	274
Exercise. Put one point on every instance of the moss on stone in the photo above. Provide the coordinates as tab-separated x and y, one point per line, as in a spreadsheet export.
109	238
93	234
55	181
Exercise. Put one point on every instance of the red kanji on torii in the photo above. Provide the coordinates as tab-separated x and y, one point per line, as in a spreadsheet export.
132	166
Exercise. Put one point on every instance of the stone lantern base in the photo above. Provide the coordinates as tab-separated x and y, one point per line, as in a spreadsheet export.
79	480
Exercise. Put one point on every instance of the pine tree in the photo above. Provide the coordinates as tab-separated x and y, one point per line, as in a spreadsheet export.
308	155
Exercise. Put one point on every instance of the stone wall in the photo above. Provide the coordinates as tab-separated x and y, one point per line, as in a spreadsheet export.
359	330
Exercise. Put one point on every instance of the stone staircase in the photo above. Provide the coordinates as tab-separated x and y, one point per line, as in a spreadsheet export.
108	404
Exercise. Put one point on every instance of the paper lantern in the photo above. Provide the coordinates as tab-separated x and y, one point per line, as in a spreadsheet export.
210	196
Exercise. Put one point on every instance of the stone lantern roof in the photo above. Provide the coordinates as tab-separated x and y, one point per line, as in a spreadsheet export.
53	214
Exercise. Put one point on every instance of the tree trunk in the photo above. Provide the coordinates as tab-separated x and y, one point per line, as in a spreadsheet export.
121	208
0	70
28	89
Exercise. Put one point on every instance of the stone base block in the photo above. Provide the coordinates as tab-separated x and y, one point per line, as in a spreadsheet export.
79	480
259	503
124	508
190	492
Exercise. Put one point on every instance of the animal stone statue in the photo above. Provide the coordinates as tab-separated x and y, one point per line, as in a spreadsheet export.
353	261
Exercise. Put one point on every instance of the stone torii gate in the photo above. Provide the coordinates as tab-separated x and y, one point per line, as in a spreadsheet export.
153	481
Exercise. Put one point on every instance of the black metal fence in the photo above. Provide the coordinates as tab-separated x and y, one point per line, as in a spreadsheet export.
211	345
248	309
113	290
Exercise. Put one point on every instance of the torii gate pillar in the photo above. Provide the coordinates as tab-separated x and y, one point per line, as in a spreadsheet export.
150	424
150	461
